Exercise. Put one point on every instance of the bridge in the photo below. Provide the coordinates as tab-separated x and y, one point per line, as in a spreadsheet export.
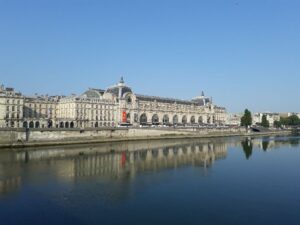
259	129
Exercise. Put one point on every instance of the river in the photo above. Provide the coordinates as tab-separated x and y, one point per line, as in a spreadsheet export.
206	181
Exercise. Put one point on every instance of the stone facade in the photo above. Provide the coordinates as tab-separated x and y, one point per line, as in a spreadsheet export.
86	110
11	108
116	106
234	119
40	111
271	117
151	110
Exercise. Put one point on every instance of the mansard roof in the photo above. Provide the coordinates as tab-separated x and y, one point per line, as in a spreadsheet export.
167	100
93	93
120	86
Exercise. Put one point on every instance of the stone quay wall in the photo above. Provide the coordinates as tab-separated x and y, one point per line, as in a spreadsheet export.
35	137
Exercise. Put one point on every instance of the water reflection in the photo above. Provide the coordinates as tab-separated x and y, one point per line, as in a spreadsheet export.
267	143
247	147
122	161
112	161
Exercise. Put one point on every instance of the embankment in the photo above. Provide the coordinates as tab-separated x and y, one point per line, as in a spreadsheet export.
18	138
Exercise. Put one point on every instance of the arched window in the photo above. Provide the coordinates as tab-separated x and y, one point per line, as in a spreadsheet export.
200	120
50	124
184	120
25	124
175	119
143	118
31	124
193	120
128	118
166	119
155	119
37	124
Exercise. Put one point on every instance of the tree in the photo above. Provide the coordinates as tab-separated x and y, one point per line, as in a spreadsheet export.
290	121
277	124
246	120
264	121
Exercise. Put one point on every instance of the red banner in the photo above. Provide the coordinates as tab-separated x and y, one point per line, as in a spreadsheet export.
124	117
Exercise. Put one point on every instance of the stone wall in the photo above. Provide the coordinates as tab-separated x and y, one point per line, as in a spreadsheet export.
11	136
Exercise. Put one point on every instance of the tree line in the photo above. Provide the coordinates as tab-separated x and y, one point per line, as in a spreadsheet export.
293	120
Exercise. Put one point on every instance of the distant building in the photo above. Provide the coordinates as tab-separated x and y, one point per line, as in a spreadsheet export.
94	108
11	108
117	105
271	117
234	119
287	114
40	111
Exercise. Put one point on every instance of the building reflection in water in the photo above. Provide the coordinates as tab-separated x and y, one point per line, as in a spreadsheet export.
128	163
10	185
113	161
124	160
267	144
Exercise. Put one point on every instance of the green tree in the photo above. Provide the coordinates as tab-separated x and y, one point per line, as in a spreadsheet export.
290	121
277	124
246	119
294	120
264	121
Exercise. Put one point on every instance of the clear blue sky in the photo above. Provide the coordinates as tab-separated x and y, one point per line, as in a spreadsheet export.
243	53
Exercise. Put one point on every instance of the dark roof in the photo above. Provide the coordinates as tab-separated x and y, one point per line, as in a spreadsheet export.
166	100
201	101
115	90
94	93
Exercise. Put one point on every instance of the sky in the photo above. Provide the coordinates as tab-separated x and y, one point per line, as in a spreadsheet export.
243	53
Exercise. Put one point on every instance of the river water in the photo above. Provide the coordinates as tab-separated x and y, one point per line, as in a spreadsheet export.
209	181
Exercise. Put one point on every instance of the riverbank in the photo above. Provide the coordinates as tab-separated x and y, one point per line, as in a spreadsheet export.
40	138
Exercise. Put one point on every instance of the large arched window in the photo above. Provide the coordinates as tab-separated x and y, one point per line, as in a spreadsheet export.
184	120
155	119
200	120
143	118
175	119
50	123
193	120
166	119
128	117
